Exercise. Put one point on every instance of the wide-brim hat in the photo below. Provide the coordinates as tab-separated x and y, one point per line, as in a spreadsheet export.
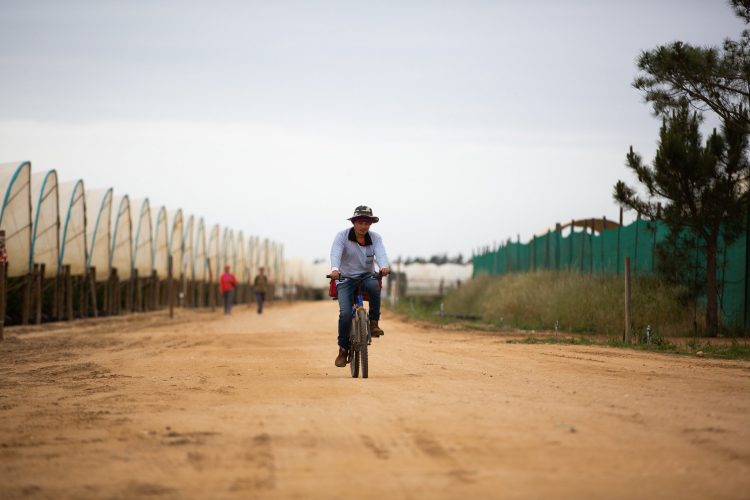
364	212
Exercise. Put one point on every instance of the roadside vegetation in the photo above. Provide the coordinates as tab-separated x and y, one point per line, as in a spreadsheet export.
575	303
569	308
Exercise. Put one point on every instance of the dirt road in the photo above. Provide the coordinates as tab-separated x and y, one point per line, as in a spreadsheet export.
251	406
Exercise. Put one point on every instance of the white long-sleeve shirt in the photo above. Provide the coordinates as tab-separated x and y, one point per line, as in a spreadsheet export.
350	258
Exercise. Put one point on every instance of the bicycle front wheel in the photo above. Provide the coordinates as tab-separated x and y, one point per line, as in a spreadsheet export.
354	364
354	344
363	326
363	359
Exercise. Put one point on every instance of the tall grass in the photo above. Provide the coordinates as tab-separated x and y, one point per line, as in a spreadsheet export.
580	303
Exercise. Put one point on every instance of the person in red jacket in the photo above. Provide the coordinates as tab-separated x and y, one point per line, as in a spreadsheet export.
227	282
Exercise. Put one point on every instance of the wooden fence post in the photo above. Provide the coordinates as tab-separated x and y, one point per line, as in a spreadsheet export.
635	244
619	243
82	281
28	280
68	294
154	286
116	292
55	290
38	294
170	287
558	242
3	282
583	245
111	292
92	290
105	295
138	292
3	290
627	300
211	288
60	293
601	236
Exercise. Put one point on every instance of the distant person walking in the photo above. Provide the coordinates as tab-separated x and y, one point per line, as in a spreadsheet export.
227	282
260	285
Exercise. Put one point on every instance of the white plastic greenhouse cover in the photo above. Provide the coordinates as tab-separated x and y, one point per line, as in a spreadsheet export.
274	264
15	215
228	250
143	258
264	260
99	231
280	263
257	251
122	238
214	249
251	256
186	268
242	271
161	243
426	278
73	227
270	268
200	272
45	236
308	274
176	232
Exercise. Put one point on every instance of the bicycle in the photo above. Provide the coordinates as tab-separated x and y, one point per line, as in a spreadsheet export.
360	336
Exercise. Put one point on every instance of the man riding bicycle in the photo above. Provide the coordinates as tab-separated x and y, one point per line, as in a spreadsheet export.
353	256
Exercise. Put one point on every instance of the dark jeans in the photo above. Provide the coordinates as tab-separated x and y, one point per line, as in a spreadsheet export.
260	297
346	291
228	301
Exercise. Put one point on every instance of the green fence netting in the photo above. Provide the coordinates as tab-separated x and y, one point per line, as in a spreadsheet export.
604	253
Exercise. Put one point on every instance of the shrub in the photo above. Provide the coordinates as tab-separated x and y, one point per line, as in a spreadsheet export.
580	303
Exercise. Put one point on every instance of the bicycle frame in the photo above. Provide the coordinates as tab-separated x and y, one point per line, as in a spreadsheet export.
359	303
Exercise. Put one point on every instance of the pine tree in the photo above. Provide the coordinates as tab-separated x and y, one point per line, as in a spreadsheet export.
715	79
691	186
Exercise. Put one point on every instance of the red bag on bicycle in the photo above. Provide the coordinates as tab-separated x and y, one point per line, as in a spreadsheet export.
333	292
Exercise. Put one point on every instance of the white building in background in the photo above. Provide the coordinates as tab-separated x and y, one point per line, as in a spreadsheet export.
303	273
433	279
420	279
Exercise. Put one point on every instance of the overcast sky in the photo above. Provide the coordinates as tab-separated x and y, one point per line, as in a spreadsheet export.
460	122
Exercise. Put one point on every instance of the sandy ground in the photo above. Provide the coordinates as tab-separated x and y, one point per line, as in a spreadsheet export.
250	406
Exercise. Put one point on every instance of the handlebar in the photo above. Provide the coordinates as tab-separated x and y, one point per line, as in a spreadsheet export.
378	275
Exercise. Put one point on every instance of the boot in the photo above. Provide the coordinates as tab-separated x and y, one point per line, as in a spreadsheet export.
341	358
375	330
